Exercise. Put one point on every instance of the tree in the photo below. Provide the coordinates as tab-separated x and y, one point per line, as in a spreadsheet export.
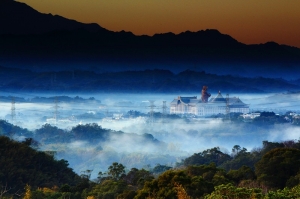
194	182
116	170
236	149
48	133
206	157
241	158
86	174
230	191
163	186
243	173
21	165
277	166
268	146
31	142
109	189
137	178
160	168
28	192
4	190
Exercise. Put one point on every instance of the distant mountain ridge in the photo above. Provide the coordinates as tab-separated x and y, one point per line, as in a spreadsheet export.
43	42
146	81
19	18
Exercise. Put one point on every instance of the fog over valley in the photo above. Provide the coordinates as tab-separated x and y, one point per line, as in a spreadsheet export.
93	130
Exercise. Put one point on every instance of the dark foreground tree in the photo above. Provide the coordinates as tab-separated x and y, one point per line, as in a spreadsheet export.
277	166
20	165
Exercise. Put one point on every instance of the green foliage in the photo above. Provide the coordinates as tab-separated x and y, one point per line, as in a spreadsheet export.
277	166
21	165
65	188
7	129
137	178
285	193
293	180
160	169
50	134
127	194
268	146
116	170
206	157
243	173
231	192
210	173
94	132
28	194
54	193
269	118
109	189
181	193
267	114
195	180
31	142
163	187
240	159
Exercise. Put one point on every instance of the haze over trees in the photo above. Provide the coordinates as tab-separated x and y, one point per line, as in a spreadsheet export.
275	173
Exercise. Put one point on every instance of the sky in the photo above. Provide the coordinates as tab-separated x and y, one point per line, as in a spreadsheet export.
250	22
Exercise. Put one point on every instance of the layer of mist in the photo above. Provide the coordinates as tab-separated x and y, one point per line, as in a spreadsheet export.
136	141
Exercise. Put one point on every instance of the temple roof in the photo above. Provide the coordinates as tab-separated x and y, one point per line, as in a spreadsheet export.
236	102
185	100
218	99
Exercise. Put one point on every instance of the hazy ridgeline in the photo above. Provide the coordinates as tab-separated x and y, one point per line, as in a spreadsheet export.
133	140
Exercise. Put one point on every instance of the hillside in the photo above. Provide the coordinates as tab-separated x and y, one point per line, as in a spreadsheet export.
21	165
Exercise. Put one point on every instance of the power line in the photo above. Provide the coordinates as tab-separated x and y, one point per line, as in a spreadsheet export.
13	110
227	107
56	113
164	111
152	106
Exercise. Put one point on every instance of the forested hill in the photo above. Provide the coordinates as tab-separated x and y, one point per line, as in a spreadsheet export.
21	165
142	81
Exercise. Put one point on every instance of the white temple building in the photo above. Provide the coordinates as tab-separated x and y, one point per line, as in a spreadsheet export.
216	105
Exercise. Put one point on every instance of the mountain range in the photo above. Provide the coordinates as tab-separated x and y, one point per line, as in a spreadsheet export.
45	42
145	81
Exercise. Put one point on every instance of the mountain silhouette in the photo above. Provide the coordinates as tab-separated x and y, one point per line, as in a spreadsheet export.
43	42
19	18
146	81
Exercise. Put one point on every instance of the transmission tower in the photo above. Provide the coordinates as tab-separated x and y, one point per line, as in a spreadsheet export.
151	116
53	79
164	110
107	113
13	110
227	107
56	112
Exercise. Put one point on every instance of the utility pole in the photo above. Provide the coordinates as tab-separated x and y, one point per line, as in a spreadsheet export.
151	116
13	110
164	111
53	79
56	112
227	107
